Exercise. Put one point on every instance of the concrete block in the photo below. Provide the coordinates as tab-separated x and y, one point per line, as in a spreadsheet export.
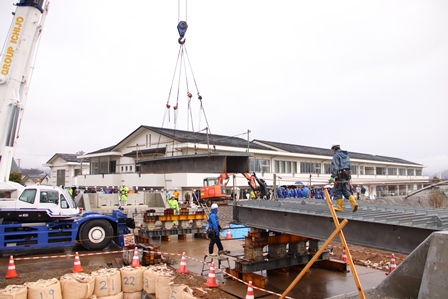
435	274
405	280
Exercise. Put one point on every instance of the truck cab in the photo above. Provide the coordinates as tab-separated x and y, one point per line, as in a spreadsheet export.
39	203
54	198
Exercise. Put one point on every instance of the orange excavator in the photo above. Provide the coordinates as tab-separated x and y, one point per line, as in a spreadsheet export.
214	188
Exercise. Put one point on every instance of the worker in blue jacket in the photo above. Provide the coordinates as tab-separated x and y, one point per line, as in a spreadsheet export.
213	222
341	176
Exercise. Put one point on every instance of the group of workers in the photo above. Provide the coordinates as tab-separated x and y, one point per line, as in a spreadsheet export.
293	192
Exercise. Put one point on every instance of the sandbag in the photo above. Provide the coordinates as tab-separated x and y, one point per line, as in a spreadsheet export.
132	279
14	292
150	278
177	291
163	285
133	295
189	293
44	289
117	296
107	282
77	285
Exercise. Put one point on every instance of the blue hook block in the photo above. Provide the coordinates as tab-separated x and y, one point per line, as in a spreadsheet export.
182	28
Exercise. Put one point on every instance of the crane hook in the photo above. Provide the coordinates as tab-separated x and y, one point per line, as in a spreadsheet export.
182	29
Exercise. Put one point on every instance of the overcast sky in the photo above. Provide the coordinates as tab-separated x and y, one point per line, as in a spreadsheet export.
370	75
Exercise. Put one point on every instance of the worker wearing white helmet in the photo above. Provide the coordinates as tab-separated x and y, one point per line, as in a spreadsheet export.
341	175
213	224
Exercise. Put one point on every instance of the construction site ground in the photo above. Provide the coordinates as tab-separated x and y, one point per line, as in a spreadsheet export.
366	258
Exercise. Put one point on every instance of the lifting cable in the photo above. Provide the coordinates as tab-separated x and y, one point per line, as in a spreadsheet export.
180	70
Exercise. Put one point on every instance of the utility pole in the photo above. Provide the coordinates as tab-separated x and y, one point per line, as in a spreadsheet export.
248	132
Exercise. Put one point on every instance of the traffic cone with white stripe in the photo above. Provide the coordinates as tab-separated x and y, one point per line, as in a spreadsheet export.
392	265
344	256
11	273
228	234
77	264
211	279
250	291
135	260
183	265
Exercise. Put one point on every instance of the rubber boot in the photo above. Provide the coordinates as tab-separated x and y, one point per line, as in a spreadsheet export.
353	202
339	207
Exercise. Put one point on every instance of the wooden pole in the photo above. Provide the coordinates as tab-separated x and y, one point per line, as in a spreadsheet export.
314	258
344	245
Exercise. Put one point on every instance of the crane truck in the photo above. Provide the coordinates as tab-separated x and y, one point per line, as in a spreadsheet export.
40	216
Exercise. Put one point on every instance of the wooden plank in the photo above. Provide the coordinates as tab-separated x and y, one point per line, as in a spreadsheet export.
257	279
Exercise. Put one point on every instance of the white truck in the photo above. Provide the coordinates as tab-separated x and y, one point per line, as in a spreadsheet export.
45	216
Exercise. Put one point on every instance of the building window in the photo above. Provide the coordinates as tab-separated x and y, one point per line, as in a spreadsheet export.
410	172
327	168
361	169
285	167
260	165
418	172
148	140
354	169
103	167
381	170
94	169
309	167
113	167
402	171
370	170
78	172
391	171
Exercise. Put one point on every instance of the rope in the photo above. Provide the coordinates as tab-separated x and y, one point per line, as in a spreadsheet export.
181	68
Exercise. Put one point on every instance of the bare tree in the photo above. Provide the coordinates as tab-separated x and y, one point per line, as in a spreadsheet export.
436	198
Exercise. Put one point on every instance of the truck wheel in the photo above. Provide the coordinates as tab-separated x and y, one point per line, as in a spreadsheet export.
96	234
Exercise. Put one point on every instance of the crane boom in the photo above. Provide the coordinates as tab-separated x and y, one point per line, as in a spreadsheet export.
16	64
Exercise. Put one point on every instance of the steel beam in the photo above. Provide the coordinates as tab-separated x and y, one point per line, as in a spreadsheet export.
309	219
201	163
270	264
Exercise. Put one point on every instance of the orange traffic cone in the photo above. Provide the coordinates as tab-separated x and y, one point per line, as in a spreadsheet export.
135	260
393	265
11	273
183	265
77	264
211	279
250	291
228	234
344	256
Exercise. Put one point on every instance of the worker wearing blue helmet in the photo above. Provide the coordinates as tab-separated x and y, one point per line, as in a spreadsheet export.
341	176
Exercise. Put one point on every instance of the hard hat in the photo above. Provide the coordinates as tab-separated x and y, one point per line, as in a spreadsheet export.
214	206
335	144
